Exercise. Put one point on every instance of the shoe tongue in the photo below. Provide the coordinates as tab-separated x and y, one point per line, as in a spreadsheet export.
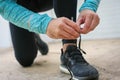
73	52
71	48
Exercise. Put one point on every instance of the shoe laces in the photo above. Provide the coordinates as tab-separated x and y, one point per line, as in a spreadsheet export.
77	56
75	53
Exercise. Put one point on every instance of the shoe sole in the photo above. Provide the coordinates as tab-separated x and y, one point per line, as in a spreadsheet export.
65	70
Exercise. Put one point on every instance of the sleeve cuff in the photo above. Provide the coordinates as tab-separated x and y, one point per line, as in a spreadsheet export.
90	4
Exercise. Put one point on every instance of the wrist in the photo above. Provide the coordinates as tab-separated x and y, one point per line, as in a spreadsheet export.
90	4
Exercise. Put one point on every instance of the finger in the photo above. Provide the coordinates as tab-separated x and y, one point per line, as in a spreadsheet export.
94	23
65	35
88	21
80	21
72	25
70	30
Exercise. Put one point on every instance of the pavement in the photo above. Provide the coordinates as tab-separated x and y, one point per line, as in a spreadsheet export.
104	54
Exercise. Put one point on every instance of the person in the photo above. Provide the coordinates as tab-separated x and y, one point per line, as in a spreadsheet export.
26	24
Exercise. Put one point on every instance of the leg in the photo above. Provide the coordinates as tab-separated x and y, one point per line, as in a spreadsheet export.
66	8
72	61
24	45
36	5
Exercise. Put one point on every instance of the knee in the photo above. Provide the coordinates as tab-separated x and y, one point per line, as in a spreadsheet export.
25	62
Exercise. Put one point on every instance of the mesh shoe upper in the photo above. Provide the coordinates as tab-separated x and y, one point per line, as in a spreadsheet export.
73	60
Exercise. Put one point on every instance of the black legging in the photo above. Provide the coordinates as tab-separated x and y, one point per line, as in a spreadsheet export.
23	41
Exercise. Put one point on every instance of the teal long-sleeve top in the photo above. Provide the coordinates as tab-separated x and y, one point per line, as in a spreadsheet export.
32	21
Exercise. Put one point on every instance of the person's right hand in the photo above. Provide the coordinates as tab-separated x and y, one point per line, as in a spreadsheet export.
63	28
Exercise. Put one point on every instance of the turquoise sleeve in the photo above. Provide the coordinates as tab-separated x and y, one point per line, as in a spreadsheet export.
90	4
23	17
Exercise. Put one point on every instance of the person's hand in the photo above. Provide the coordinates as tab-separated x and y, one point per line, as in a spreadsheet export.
63	28
89	19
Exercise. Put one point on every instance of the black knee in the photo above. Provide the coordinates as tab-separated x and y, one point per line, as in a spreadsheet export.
24	45
25	62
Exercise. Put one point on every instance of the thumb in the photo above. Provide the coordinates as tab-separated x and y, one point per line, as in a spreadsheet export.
80	21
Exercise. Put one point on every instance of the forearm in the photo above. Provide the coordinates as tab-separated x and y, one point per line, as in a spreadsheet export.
23	17
90	4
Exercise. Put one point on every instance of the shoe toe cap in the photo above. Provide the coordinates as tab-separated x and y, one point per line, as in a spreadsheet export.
83	71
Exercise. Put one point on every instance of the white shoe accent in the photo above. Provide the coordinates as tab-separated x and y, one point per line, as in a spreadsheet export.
65	70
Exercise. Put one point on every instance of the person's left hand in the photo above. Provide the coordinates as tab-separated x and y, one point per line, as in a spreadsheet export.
90	20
